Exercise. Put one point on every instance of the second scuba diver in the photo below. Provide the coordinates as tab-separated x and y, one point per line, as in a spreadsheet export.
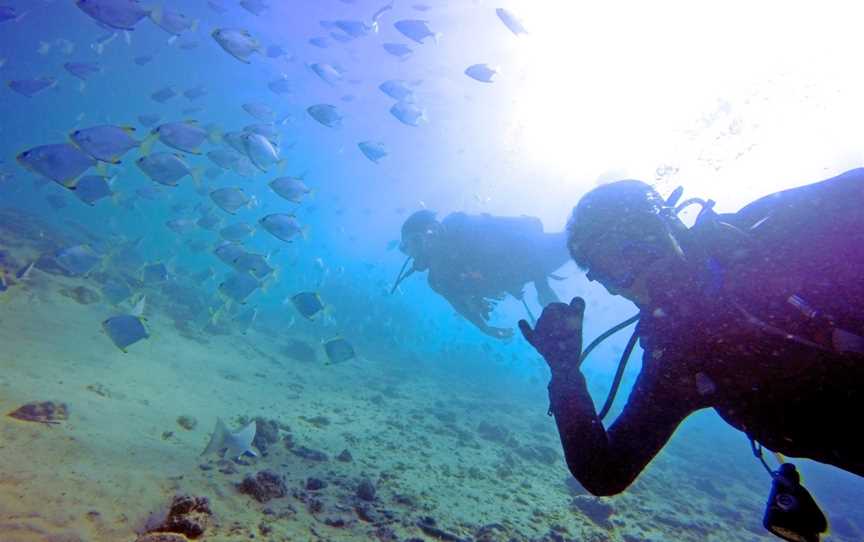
474	261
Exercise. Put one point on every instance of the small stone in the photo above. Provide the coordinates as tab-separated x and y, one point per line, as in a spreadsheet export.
266	433
162	537
337	522
366	490
316	506
187	422
345	456
309	453
314	484
205	466
188	516
265	485
366	513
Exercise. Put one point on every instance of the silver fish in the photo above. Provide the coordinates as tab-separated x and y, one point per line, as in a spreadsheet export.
78	259
106	143
125	330
282	226
186	136
92	188
409	114
83	70
237	232
239	286
416	29
231	444
172	21
62	163
165	168
255	7
163	95
291	188
32	87
230	199
481	72
327	73
511	21
195	92
260	111
326	114
398	50
373	150
119	14
181	225
398	90
238	43
224	158
261	151
280	86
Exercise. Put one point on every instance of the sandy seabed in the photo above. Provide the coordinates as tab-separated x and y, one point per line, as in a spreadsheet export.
448	458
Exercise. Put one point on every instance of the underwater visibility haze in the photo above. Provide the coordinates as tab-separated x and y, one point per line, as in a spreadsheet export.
305	269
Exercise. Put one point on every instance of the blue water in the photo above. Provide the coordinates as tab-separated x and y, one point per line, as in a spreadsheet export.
463	159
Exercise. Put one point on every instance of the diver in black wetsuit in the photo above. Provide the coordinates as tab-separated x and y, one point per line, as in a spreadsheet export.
758	314
475	260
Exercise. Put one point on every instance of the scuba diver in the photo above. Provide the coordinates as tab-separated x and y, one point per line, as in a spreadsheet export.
475	260
757	314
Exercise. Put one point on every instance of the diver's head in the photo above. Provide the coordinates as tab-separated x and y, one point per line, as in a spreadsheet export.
618	231
419	234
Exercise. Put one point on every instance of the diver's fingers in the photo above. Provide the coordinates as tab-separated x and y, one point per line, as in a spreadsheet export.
578	303
527	332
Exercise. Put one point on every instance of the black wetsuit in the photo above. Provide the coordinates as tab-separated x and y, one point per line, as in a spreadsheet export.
485	257
718	334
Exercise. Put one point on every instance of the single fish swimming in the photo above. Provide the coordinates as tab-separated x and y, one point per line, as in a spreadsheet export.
308	304
326	114
32	87
92	188
231	199
282	226
172	21
78	260
291	188
398	90
106	143
339	350
125	330
118	14
165	168
83	70
416	29
238	43
481	72
409	114
231	444
239	286
373	150
62	163
511	21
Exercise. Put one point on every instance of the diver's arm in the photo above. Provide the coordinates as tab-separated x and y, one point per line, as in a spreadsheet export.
607	462
470	312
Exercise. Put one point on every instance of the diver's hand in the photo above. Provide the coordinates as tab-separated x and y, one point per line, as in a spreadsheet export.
558	334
